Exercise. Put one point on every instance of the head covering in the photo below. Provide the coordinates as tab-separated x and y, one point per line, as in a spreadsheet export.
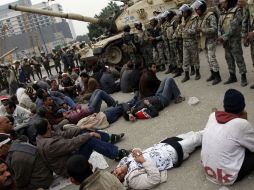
234	101
65	74
2	98
4	139
185	8
29	89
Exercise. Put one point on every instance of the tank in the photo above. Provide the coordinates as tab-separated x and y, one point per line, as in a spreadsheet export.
109	46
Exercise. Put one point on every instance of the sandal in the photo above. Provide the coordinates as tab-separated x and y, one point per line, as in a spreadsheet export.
179	99
115	138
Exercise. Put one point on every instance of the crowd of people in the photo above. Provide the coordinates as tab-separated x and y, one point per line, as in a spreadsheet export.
52	125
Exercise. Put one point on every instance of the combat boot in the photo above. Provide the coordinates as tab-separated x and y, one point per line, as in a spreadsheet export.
217	78
192	71
169	69
174	69
232	78
197	75
252	86
244	80
212	76
162	67
179	72
186	77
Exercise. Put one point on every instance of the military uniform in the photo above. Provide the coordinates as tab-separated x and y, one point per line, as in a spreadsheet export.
230	32
57	61
190	45
37	67
129	47
209	32
146	48
164	29
158	46
45	61
28	70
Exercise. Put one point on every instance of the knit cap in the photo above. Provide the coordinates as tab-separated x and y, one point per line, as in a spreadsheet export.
234	101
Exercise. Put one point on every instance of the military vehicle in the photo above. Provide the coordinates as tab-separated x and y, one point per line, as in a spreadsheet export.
109	45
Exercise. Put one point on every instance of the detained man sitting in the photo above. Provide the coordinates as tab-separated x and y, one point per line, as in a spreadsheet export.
148	168
58	147
228	142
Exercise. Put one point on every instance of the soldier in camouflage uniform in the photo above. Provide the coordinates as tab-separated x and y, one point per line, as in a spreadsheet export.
177	36
46	63
230	36
208	28
57	60
248	27
146	48
128	46
155	37
37	66
190	42
164	27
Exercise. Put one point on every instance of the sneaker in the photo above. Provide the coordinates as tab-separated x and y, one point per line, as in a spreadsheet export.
121	154
115	138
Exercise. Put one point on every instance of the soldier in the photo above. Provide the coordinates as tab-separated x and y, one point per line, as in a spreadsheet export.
146	48
248	27
57	60
46	63
37	66
190	42
208	29
164	29
172	41
155	37
177	36
128	46
27	69
230	36
12	80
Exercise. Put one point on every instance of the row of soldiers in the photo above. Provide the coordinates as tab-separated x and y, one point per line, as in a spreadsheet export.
176	38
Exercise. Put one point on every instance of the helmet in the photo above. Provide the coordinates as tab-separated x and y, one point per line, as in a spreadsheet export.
170	13
199	4
185	8
127	28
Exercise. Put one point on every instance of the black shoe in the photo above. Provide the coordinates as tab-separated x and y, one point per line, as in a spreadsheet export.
217	78
178	72
243	80
252	86
122	153
162	67
197	75
232	78
186	77
192	71
115	138
212	77
174	69
169	69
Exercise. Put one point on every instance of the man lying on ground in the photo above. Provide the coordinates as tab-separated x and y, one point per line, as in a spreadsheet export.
228	142
148	168
149	107
80	173
58	147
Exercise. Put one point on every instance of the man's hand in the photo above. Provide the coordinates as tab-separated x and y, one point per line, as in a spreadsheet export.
146	102
138	156
96	135
250	35
246	42
220	40
131	117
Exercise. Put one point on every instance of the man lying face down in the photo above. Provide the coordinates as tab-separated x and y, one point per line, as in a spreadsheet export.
148	168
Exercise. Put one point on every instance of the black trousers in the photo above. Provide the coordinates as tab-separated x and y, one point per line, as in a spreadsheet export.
247	166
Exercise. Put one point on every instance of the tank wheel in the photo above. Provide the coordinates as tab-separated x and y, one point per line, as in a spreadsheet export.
114	55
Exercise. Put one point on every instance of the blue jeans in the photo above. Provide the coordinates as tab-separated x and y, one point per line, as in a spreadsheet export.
96	100
69	101
113	113
101	146
167	91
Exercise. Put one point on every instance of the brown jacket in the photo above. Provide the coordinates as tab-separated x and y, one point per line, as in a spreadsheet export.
57	149
101	180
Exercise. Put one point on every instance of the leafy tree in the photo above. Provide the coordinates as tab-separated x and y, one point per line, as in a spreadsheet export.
107	17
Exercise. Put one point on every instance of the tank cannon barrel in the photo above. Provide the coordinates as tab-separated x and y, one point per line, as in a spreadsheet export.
9	52
54	14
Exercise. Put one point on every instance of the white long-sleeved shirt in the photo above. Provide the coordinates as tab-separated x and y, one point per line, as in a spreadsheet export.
223	148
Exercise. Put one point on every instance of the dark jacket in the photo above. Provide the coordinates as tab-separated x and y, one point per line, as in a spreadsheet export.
58	148
129	80
108	83
148	84
30	170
